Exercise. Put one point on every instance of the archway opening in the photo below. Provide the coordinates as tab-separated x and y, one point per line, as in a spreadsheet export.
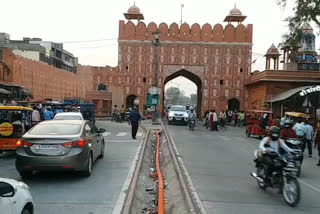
131	101
233	104
183	88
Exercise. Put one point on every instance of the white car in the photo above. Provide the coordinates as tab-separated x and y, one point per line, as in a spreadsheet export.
15	197
68	116
178	114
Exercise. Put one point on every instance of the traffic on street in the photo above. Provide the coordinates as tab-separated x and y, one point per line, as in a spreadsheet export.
211	108
220	170
65	191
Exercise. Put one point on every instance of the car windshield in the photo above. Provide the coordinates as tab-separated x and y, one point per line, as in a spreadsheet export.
56	129
178	108
67	117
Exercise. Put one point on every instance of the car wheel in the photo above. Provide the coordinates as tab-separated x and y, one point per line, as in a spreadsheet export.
88	168
25	174
26	211
102	150
169	123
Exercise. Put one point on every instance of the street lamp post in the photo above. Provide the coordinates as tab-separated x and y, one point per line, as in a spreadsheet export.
156	44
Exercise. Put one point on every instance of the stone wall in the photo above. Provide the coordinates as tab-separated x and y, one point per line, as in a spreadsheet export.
42	80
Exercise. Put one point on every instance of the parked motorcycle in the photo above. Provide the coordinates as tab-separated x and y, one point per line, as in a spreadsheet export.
283	175
192	124
296	146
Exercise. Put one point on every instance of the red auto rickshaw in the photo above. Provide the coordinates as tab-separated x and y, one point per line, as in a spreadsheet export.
254	126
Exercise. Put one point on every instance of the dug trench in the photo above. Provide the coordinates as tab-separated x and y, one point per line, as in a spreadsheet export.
145	198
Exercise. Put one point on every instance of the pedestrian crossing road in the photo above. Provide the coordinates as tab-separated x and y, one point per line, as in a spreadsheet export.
120	134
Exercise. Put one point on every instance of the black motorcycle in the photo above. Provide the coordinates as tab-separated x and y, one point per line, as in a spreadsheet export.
296	146
192	124
283	175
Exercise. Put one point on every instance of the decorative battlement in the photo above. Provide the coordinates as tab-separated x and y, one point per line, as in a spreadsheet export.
185	33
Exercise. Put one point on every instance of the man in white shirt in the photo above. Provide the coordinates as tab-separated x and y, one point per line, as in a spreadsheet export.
309	136
215	121
36	118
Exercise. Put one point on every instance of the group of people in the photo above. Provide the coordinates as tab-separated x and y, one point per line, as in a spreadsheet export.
237	118
213	120
118	115
40	113
303	131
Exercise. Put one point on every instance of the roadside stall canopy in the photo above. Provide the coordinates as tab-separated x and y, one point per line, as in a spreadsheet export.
287	94
259	111
297	114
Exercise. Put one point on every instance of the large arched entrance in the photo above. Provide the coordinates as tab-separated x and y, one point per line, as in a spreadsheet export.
233	104
131	101
193	78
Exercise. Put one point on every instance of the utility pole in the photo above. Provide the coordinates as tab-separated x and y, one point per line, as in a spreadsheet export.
182	6
156	44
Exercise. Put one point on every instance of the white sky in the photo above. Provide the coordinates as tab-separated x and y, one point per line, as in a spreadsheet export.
79	20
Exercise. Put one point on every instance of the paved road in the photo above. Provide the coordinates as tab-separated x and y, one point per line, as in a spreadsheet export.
69	193
219	164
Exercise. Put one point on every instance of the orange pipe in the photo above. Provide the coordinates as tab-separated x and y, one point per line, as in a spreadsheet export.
160	179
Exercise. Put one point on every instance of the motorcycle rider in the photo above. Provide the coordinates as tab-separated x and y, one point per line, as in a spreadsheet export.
274	144
288	132
192	116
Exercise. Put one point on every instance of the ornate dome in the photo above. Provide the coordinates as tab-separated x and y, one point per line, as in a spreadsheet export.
306	26
134	9
235	12
273	50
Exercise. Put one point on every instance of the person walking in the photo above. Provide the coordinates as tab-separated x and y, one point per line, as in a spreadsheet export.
317	143
300	130
241	118
48	114
211	120
215	121
35	116
233	118
309	136
123	113
134	119
223	118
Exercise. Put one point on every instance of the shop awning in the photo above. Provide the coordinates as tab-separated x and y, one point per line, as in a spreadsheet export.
286	94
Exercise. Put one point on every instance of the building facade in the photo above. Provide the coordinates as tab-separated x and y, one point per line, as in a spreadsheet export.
216	58
42	51
42	80
301	69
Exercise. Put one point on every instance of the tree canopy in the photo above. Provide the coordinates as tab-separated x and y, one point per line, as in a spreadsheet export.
303	11
176	96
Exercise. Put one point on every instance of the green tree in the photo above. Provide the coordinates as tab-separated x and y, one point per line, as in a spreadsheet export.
194	99
173	94
303	11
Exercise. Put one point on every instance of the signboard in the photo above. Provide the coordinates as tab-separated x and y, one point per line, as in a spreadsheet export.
310	90
6	129
155	99
149	99
153	90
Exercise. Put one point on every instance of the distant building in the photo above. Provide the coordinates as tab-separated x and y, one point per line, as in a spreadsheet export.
43	51
294	88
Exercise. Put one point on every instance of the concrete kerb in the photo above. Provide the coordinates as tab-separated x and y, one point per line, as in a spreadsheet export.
186	182
125	199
